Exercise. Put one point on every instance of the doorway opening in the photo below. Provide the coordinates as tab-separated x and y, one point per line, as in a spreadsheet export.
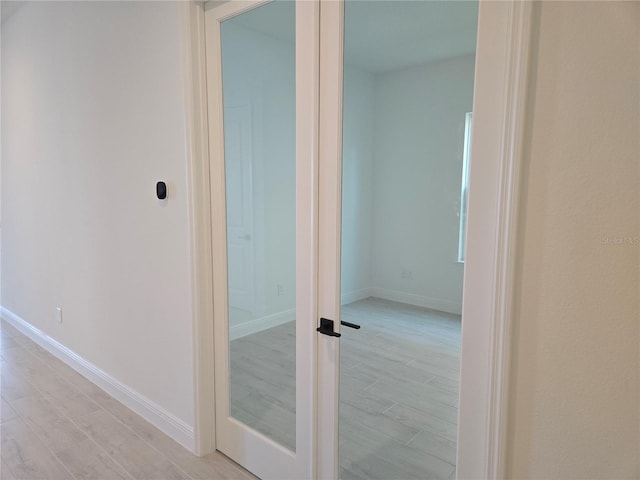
501	81
408	87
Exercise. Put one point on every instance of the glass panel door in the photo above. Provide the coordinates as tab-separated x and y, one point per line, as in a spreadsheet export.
258	84
391	153
335	171
263	321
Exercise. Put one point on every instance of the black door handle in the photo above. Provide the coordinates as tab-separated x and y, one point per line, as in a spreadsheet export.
349	324
326	327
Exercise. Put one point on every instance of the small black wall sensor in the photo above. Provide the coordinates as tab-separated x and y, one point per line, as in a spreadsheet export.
161	190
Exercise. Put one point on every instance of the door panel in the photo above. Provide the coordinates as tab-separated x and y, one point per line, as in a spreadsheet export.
262	161
400	75
260	191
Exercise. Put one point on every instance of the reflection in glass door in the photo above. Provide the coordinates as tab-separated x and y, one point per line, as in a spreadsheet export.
258	84
408	85
263	322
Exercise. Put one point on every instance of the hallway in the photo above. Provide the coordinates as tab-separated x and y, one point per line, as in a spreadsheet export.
57	425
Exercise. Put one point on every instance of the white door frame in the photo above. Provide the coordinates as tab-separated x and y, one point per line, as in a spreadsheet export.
330	224
499	109
502	61
199	193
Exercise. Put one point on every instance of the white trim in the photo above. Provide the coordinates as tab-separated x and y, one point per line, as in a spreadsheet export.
504	38
519	42
263	323
307	233
177	429
423	301
355	295
439	304
329	238
197	156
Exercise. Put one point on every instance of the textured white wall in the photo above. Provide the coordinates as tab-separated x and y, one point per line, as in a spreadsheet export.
92	116
419	135
575	399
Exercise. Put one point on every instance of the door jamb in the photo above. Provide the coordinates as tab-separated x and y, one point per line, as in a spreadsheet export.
504	44
200	238
504	39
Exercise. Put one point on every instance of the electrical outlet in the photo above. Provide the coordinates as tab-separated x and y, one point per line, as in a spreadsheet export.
406	274
280	289
59	314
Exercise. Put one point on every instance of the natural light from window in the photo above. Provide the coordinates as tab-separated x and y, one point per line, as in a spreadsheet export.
464	189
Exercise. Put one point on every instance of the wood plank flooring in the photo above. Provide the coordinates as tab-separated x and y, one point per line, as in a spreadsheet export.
57	425
399	390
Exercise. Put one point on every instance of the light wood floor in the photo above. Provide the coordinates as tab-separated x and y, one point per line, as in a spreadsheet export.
398	414
57	425
399	390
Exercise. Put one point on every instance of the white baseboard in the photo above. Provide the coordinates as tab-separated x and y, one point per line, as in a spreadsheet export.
418	300
262	323
177	429
355	295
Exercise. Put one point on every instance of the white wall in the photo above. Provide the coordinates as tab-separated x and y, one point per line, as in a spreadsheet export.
575	400
93	115
357	184
419	137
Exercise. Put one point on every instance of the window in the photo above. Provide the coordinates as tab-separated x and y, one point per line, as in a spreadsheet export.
464	189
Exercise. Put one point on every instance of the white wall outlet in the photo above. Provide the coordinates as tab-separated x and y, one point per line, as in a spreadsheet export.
406	274
280	289
59	314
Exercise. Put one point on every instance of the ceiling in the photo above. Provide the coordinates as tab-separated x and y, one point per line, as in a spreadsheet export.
385	35
380	35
